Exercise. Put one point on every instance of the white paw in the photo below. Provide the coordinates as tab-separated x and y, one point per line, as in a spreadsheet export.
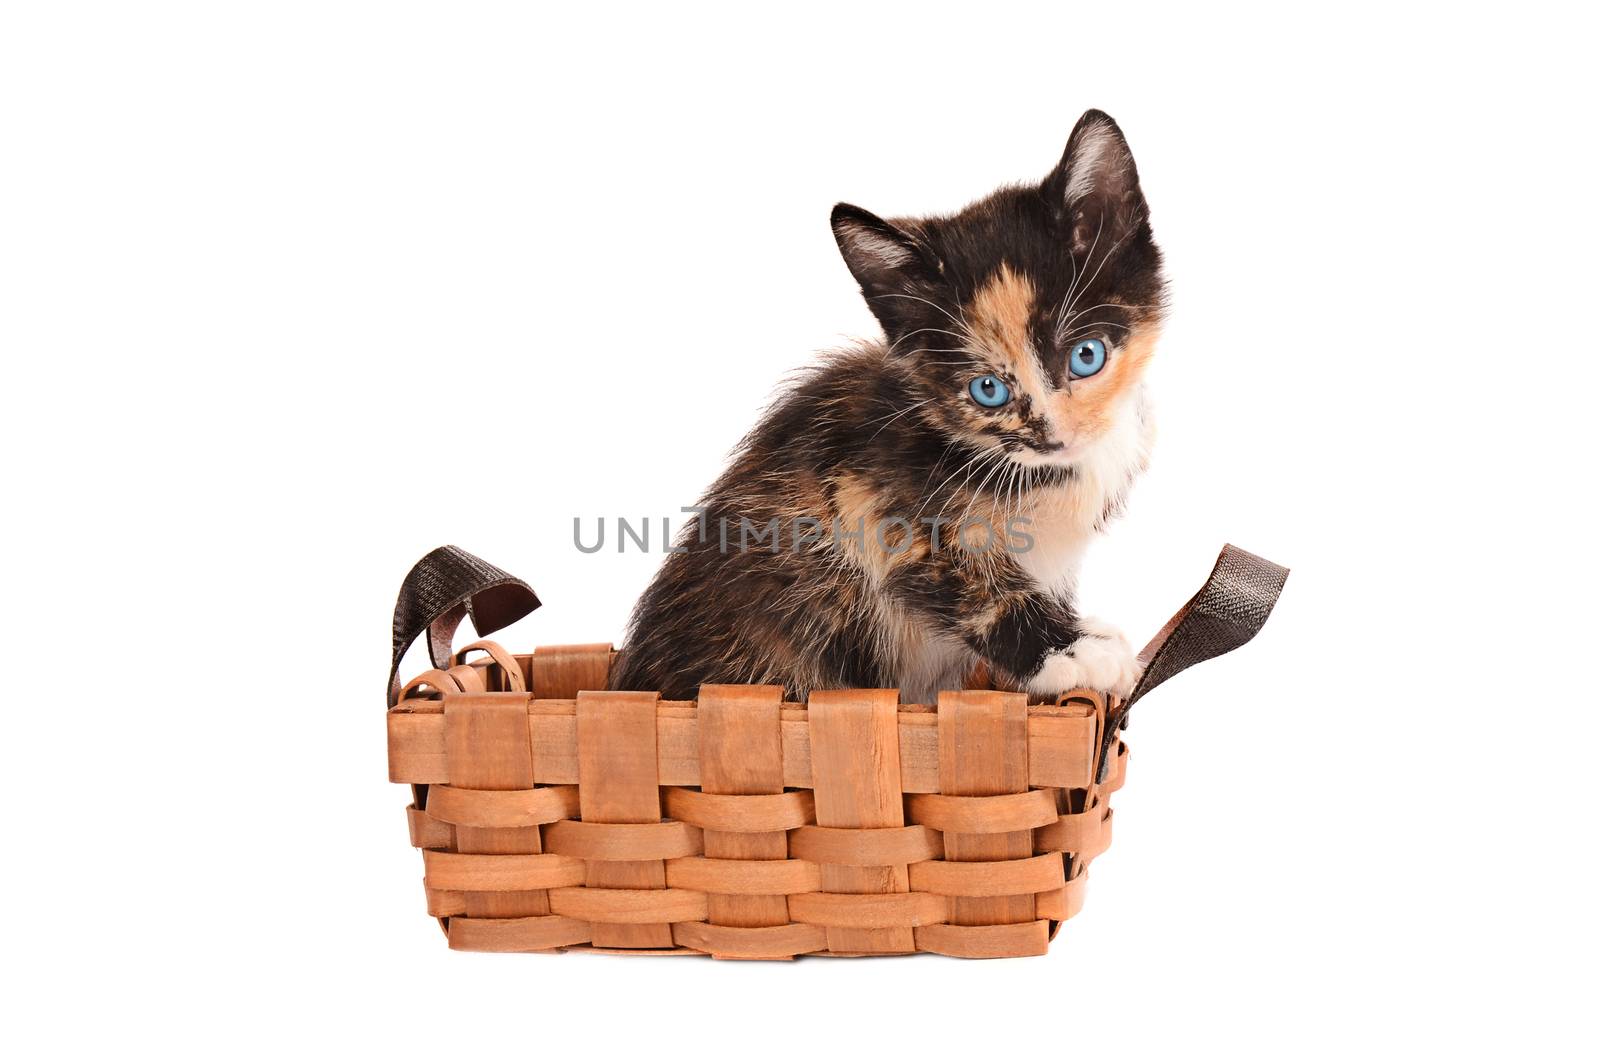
1100	659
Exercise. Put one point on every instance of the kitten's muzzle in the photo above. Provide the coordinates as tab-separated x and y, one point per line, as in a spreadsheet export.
1044	454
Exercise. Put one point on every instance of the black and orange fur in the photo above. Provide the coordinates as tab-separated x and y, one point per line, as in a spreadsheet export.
888	431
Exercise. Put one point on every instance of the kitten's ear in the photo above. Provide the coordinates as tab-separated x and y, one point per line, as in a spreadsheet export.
1095	187
886	261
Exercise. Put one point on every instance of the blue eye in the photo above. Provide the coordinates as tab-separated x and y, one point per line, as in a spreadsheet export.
989	391
1087	358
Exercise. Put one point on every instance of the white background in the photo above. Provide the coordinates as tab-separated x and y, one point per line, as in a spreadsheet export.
292	293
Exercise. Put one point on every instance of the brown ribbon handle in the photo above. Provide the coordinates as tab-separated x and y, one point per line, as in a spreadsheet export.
447	585
1230	609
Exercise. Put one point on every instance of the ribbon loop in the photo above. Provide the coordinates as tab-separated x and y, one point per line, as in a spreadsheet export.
1229	610
447	585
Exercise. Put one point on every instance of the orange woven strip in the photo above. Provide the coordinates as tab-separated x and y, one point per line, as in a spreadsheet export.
517	935
428	833
741	813
866	846
623	842
1015	881
744	810
561	671
618	784
983	751
502	809
1085	835
879	919
721	877
1005	940
488	751
856	765
1063	904
623	910
1118	770
1060	745
500	872
983	814
752	943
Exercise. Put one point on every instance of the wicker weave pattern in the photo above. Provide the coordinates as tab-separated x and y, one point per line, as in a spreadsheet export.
742	826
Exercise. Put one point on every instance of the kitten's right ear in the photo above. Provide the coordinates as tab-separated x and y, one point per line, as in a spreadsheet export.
887	262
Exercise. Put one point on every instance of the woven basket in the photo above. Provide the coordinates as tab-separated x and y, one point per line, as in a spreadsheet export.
552	814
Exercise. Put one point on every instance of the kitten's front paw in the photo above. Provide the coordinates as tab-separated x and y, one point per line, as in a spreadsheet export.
1100	658
1108	662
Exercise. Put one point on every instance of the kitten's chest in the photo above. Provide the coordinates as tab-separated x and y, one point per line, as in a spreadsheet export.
1063	519
1059	526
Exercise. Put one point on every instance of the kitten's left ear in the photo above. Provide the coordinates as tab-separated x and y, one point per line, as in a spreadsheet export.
1095	186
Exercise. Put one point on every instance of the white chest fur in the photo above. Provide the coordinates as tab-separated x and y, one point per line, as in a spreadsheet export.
1065	518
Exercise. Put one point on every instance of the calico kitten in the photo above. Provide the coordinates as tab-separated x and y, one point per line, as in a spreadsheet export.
918	506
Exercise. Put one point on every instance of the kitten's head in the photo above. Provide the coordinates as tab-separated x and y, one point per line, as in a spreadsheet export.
1026	319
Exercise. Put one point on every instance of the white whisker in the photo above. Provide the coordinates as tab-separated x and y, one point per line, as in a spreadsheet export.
897	415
